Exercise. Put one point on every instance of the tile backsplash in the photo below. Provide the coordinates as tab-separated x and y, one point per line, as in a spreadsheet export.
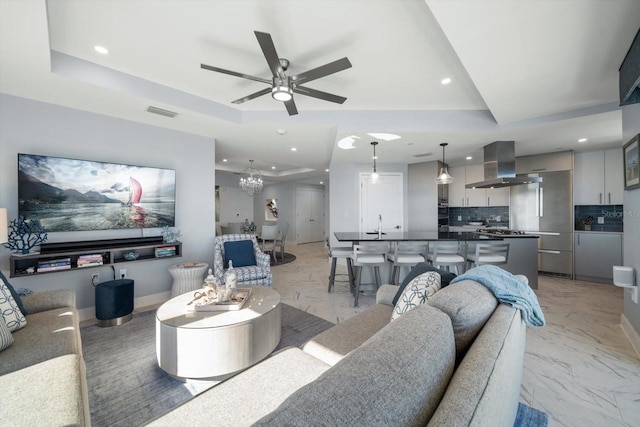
494	216
613	217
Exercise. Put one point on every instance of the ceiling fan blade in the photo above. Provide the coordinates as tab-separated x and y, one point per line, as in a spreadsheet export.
252	96
233	73
291	107
321	71
269	51
319	94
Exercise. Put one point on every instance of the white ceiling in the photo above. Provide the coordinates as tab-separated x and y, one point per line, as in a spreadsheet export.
541	73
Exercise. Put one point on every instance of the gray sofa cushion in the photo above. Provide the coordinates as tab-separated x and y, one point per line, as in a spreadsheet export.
396	378
48	334
333	344
485	389
469	305
245	398
51	393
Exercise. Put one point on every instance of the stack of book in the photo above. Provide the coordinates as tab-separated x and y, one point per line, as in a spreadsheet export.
165	251
54	264
90	260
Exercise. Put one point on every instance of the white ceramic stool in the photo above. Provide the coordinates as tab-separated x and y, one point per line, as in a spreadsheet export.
187	277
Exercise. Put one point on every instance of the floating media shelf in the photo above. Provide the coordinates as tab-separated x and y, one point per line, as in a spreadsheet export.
57	257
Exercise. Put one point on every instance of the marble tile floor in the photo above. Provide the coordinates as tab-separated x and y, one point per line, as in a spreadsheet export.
580	368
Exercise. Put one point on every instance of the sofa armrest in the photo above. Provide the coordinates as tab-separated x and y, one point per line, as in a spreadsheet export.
262	259
385	294
48	300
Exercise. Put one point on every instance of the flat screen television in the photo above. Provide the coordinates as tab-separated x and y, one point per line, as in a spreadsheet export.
81	195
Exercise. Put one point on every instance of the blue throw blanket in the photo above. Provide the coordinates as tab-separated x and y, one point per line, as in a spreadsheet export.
508	290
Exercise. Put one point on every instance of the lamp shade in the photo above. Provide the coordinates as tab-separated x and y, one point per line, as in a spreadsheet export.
4	236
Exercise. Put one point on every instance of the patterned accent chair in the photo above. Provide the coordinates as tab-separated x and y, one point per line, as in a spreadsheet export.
259	274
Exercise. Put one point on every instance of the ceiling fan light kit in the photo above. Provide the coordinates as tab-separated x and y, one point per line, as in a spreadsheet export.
283	86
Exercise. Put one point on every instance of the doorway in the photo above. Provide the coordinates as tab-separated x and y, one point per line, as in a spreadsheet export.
309	215
384	197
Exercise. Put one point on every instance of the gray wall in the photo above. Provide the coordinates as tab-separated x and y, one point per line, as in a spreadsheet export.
344	195
630	128
38	128
235	206
423	197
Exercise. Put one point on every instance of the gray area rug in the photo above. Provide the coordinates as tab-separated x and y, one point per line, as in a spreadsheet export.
530	417
126	386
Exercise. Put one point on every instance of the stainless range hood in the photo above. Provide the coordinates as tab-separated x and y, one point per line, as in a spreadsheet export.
500	167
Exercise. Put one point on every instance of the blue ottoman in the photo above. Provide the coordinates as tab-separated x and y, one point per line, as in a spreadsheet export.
114	302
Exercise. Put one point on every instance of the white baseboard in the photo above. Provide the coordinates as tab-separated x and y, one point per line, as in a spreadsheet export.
631	333
89	313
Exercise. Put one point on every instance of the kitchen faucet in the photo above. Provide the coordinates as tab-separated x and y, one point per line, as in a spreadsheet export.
379	226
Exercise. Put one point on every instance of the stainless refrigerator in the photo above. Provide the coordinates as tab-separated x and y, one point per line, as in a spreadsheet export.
546	209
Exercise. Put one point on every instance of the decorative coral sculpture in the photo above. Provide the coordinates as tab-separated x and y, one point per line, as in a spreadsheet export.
169	236
25	234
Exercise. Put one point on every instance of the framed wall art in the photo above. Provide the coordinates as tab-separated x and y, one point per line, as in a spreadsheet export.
631	167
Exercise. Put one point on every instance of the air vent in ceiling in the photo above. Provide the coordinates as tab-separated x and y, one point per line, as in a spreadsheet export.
423	154
162	112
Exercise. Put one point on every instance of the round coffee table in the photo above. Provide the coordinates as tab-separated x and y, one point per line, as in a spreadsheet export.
187	277
205	345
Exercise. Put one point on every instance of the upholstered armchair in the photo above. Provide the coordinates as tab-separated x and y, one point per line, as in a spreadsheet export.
252	266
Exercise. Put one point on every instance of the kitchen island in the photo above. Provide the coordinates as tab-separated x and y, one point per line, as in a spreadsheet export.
523	249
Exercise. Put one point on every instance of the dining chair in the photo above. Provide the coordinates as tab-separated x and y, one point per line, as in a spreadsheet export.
405	254
268	236
281	239
368	254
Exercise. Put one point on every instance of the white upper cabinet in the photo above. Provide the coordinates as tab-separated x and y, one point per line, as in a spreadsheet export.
459	196
597	178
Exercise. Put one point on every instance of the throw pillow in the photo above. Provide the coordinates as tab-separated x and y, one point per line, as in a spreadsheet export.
240	253
14	294
11	313
6	339
417	292
421	268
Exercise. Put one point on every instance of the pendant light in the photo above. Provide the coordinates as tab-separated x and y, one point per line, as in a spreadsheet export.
374	175
250	180
444	177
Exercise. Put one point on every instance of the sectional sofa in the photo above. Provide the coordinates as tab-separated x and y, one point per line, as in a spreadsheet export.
454	361
42	374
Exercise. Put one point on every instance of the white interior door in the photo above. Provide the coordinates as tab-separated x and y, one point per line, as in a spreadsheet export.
309	215
386	198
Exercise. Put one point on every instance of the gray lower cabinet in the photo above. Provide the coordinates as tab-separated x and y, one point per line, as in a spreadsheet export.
595	254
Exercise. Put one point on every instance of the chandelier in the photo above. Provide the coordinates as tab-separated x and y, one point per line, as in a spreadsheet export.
251	180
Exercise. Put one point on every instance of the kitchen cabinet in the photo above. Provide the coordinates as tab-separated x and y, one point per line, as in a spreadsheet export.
595	255
459	196
598	178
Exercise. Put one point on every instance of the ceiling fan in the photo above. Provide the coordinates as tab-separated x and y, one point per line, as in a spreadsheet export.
282	86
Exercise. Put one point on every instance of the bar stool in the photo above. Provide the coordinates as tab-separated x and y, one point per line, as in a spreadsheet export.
495	253
340	252
368	254
405	254
447	254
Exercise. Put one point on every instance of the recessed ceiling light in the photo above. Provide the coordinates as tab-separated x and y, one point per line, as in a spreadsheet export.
321	182
224	160
281	131
294	149
326	170
101	50
468	157
273	167
582	140
445	81
384	136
